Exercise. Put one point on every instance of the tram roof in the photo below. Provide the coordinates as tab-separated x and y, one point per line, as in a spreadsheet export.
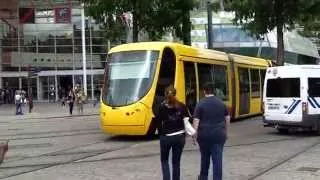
189	51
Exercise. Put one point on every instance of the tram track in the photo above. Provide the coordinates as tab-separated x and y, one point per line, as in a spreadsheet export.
49	165
57	135
89	154
48	119
283	161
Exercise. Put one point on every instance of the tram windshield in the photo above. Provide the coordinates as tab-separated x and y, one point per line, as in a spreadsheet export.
129	76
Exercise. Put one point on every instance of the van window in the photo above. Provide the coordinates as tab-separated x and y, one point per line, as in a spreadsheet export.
284	87
314	87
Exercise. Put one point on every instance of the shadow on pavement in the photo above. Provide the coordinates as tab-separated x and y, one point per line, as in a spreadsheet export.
296	133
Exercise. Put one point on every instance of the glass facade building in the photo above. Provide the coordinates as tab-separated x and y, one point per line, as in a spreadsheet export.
230	38
46	35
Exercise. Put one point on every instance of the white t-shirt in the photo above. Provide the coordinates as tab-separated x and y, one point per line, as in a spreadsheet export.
17	98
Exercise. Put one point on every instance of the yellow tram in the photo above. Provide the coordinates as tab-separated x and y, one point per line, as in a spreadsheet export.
136	75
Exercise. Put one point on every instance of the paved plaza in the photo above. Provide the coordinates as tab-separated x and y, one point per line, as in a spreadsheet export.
49	144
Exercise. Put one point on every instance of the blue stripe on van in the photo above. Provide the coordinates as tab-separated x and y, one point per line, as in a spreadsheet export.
294	101
312	103
294	106
315	101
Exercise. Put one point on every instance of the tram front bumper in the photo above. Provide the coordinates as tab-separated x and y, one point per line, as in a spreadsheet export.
124	130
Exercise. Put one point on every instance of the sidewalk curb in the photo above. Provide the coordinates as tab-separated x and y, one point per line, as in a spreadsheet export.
64	116
55	117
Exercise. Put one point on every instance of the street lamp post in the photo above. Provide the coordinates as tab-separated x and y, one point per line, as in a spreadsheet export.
84	60
210	39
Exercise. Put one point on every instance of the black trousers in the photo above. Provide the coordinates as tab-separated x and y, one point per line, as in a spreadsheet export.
176	143
70	107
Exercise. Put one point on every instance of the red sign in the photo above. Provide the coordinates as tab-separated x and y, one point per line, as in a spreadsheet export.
62	15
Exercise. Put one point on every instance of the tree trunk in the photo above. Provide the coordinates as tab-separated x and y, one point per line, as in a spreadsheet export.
186	29
280	48
222	5
135	24
279	7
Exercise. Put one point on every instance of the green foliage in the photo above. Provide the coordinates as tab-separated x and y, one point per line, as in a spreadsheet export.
262	16
311	23
154	17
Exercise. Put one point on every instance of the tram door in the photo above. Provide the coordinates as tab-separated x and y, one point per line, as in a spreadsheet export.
244	91
190	85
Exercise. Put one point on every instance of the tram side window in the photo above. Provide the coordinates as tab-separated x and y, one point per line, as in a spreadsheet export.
206	75
263	75
221	81
190	85
314	87
255	83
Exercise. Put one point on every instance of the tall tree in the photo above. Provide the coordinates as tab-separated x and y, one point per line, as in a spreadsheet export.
262	16
311	26
114	9
177	17
154	17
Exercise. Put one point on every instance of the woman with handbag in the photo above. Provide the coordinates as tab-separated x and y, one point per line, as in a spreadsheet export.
171	128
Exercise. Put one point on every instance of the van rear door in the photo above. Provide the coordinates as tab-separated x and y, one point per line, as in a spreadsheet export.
283	100
314	95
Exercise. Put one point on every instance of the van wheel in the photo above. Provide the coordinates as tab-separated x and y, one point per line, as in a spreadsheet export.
283	130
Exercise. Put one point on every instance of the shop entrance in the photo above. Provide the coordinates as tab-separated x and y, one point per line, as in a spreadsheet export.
65	83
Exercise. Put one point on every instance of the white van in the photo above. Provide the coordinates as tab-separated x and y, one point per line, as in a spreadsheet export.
291	97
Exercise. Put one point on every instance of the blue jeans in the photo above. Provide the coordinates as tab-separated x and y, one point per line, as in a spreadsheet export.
210	150
176	143
19	109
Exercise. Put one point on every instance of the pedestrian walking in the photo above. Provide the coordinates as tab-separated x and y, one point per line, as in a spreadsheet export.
211	120
97	93
18	102
70	100
63	101
63	97
170	124
30	100
23	100
52	93
3	150
80	100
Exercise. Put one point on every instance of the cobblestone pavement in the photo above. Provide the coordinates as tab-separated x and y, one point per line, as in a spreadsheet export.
74	148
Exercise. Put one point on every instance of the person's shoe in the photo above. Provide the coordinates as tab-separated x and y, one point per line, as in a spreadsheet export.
3	150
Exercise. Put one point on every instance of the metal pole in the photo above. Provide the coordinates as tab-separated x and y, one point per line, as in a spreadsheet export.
210	39
84	63
91	59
